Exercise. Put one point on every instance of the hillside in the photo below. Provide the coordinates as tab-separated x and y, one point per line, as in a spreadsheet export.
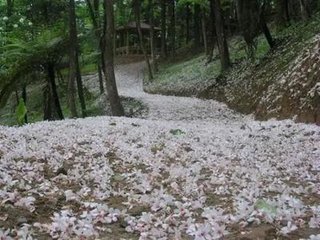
282	83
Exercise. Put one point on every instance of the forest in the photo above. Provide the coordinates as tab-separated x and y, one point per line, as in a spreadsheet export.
160	119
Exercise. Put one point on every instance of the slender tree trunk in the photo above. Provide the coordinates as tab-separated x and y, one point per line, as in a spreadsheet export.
221	37
17	96
137	11
163	28
101	87
264	26
94	11
74	58
47	110
138	23
212	32
116	106
266	32
283	12
196	25
72	61
188	15
172	27
204	32
24	97
80	86
304	8
152	43
53	90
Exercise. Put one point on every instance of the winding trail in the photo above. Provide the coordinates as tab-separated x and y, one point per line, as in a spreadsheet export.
129	79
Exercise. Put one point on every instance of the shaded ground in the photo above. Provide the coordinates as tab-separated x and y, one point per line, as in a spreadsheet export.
280	83
191	169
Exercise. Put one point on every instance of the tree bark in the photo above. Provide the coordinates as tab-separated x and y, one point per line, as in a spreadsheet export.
172	27
212	38
196	25
163	28
47	110
264	27
54	105
80	86
221	37
204	32
116	106
72	61
188	15
304	8
152	43
96	22
137	6
24	97
101	87
74	49
283	12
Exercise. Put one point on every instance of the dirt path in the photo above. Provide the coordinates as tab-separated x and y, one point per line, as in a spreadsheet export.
129	80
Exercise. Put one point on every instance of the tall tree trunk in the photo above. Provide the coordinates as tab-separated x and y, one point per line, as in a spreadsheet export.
163	28
80	86
172	27
138	23
152	43
116	106
212	38
188	15
266	32
304	8
221	37
24	97
196	25
47	104
74	58
72	61
204	32
101	87
264	26
283	12
94	11
53	90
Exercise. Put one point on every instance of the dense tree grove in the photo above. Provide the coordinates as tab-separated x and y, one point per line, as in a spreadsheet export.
48	42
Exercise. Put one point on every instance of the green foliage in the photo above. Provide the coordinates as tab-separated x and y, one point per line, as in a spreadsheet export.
124	12
20	58
177	132
263	206
200	2
21	112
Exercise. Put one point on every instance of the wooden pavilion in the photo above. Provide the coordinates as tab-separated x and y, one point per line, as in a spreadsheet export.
127	40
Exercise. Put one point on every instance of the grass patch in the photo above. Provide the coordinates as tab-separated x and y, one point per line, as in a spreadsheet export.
184	77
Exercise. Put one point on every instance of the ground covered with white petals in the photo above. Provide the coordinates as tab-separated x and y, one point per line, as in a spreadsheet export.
192	169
